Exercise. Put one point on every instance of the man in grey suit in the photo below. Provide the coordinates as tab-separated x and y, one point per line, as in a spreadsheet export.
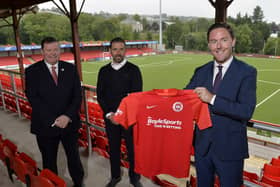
53	89
228	85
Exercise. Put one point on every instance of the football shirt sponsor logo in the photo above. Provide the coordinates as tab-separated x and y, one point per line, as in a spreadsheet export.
164	123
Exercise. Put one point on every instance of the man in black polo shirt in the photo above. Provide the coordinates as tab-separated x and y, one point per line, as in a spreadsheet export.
115	81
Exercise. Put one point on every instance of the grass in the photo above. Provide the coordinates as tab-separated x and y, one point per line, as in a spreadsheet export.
175	71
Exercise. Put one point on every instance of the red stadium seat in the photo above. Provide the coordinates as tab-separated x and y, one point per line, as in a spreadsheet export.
259	183
82	143
56	180
39	181
275	162
2	156
102	142
250	176
99	132
273	181
101	146
24	167
9	151
193	181
125	163
124	155
270	170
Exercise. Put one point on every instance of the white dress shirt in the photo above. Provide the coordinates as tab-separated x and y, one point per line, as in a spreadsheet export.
50	67
117	66
216	70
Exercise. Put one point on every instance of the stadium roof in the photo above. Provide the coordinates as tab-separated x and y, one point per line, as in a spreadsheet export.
6	6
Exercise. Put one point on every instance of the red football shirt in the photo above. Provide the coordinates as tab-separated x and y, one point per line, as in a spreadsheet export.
163	122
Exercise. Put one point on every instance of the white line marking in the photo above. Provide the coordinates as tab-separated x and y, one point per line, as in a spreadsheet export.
269	82
267	98
268	70
94	72
166	63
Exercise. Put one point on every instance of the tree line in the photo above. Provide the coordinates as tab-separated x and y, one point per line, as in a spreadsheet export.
252	32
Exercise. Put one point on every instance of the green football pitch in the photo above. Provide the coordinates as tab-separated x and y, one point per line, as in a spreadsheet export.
175	71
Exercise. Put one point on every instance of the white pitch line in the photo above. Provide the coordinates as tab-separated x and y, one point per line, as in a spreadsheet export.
268	70
269	82
94	72
267	98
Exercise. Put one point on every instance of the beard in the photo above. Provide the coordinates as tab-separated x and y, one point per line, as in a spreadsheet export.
118	58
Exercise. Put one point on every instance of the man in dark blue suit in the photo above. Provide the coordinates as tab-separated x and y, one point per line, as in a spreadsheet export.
228	85
53	89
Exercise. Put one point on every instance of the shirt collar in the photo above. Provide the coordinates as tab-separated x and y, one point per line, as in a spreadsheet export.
225	64
50	65
117	66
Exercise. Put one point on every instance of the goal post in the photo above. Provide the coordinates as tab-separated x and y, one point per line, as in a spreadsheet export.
106	56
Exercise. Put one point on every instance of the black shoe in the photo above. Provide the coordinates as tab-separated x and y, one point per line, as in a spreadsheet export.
137	184
79	185
113	182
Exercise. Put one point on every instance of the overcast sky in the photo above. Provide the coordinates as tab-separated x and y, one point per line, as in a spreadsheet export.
201	8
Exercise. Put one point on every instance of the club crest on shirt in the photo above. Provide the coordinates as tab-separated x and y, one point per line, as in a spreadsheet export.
177	106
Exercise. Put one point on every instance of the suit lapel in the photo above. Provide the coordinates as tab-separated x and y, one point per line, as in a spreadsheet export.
210	77
61	73
47	74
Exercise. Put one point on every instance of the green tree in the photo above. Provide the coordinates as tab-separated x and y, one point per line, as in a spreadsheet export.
243	38
174	34
86	22
126	32
136	35
136	17
257	15
272	46
149	36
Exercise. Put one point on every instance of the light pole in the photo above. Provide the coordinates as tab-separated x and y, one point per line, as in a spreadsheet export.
276	46
160	27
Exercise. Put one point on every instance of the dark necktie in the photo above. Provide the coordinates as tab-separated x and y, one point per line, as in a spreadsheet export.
54	75
218	79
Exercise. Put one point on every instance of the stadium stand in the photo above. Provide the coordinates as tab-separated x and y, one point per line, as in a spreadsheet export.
147	50
91	55
12	60
92	51
133	52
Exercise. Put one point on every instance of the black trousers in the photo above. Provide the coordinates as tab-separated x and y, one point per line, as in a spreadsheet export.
115	134
48	147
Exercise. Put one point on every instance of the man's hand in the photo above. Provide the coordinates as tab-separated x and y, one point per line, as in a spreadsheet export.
111	118
204	94
62	121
